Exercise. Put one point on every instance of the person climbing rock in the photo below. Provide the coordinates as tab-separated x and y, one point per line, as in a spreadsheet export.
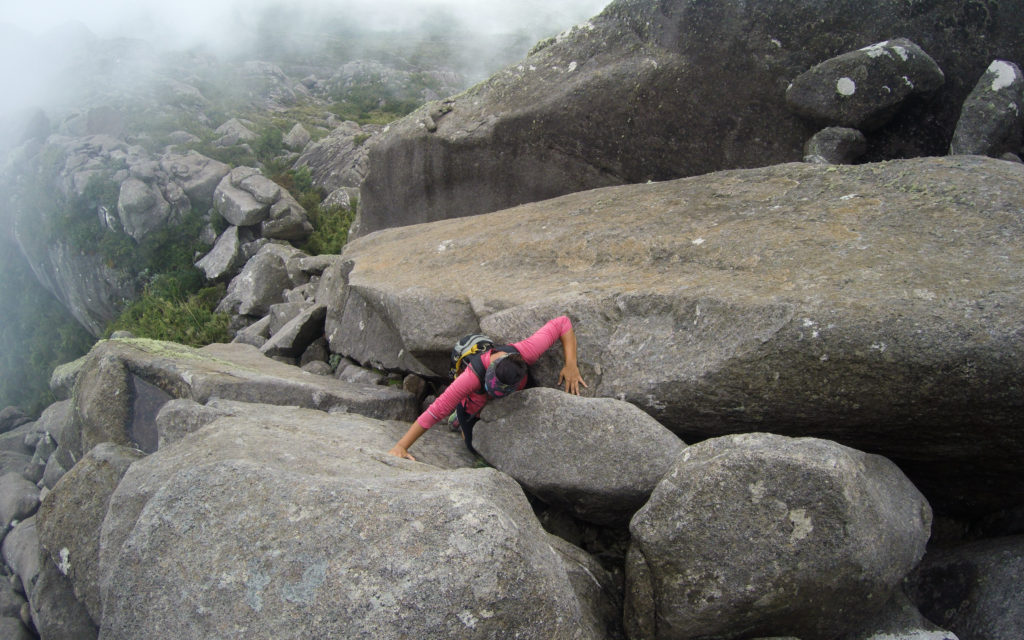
494	372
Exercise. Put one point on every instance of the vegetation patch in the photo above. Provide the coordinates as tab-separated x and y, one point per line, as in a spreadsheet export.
170	313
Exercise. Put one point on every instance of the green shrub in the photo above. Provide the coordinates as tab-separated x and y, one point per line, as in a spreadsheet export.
330	229
164	313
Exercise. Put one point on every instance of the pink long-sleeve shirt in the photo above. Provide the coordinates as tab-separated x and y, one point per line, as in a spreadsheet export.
467	385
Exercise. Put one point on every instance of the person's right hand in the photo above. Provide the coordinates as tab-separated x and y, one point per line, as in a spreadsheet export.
401	452
570	375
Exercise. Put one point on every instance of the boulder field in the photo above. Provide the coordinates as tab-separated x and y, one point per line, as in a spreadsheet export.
791	371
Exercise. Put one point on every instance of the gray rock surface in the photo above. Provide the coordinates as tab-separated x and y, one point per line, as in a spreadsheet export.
840	302
197	174
340	159
103	407
227	371
141	208
297	334
297	137
11	418
256	334
69	520
260	284
863	89
181	416
10	600
20	552
238	201
597	458
56	612
974	589
760	534
351	567
234	132
62	380
12	629
835	145
19	499
226	256
901	620
55	420
288	221
992	120
655	91
86	285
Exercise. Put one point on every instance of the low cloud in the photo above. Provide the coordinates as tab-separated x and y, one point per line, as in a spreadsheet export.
42	43
187	23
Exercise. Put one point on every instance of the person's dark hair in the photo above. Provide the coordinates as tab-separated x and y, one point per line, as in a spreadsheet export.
510	369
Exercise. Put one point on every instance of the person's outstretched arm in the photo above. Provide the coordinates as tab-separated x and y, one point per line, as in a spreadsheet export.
401	448
570	372
533	348
465	384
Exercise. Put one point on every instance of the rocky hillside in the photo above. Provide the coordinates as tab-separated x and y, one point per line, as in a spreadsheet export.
839	345
804	369
653	91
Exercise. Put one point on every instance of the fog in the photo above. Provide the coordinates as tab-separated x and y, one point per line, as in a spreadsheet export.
62	58
43	44
186	23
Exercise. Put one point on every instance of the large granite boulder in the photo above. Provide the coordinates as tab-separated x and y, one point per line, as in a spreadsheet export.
863	89
877	305
341	158
597	458
19	499
90	289
268	534
759	534
261	284
657	90
197	174
992	119
141	208
835	145
70	517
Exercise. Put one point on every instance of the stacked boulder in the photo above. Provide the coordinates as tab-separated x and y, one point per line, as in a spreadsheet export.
34	597
861	91
338	163
274	306
992	119
759	534
656	91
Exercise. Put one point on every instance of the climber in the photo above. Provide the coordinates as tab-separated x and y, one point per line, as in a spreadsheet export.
504	370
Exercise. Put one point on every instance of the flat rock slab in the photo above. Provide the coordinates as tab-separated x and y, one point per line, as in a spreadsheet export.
878	305
240	372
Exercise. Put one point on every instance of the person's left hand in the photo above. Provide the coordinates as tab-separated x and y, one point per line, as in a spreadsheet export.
570	374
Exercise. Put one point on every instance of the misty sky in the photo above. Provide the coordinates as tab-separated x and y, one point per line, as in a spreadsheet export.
188	22
32	54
